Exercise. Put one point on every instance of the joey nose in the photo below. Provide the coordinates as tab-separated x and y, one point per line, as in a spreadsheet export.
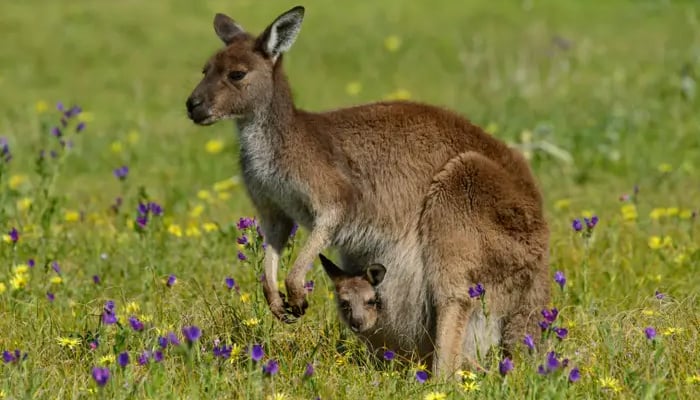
192	103
355	325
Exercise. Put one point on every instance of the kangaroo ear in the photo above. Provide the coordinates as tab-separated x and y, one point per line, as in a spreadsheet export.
375	274
226	28
333	271
280	35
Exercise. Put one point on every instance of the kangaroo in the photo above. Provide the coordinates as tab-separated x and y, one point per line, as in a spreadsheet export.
475	228
356	178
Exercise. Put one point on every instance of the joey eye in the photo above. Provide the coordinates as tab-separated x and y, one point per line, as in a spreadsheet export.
235	76
345	305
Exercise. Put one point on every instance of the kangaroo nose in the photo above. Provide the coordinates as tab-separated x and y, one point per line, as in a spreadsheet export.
355	325
193	102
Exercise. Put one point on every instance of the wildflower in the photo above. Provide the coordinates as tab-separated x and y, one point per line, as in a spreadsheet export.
471	386
122	172
71	343
505	366
243	240
664	168
656	242
671	331
611	384
577	225
222	351
3	288
214	146
245	223
143	358
389	355
108	317
562	204
19	281
116	147
80	127
550	315
561	333
100	375
659	295
56	280
435	396
650	333
14	235
560	279
241	256
574	375
50	296
175	230
591	223
230	282
191	333
162	342
629	212
24	203
477	291
136	324
529	342
158	356
13	357
279	396
353	88
123	359
71	216
271	368
250	322
133	307
172	338
155	209
421	376
309	370
197	211
256	353
108	359
171	281
692	379
96	279
245	297
392	43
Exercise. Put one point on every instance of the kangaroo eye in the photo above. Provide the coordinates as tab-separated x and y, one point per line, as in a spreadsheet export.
373	303
345	305
235	76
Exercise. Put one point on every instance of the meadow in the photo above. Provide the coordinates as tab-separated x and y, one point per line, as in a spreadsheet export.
129	262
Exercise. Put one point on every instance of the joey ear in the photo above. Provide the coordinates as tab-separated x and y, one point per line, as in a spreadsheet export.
375	274
226	28
281	34
333	271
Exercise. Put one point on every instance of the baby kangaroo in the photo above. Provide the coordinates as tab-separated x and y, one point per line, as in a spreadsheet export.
363	179
476	227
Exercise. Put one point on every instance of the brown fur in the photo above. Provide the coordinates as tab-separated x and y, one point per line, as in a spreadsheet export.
370	180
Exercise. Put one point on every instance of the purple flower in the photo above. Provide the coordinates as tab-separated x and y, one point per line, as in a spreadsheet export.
191	333
309	286
56	267
242	256
242	240
143	358
162	341
257	353
171	281
529	342
294	230
123	359
158	356
143	209
591	223
94	344
31	263
5	150
80	127
574	375
136	324
50	296
389	355
421	376
230	282
100	375
8	357
659	295
155	209
505	366
108	317
96	279
222	351
56	131
577	225
650	333
477	291
60	107
245	223
553	362
172	338
122	172
271	368
560	279
561	333
75	110
550	315
14	235
309	370
142	221
544	325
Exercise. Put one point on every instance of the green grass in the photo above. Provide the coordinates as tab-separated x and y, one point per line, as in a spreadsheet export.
616	104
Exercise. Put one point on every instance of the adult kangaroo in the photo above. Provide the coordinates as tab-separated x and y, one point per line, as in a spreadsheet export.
357	177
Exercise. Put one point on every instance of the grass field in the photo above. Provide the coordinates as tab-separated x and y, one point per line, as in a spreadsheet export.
602	96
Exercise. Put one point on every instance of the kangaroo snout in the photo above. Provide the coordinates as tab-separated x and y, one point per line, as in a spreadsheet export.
197	111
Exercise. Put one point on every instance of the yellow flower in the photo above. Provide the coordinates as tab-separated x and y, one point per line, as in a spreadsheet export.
41	106
665	168
16	181
686	214
192	231
587	213
435	396
691	379
108	359
3	288
224	196
214	146
133	136
210	227
196	211
629	212
468	375
648	312
21	269
562	204
392	43
226	184
471	386
132	307
245	297
251	322
671	331
610	384
656	242
86	116
330	296
19	281
276	396
6	238
672	211
71	216
204	195
146	317
56	280
2	394
657	213
71	343
353	88
175	230
116	147
340	360
236	350
399	94
24	203
681	258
